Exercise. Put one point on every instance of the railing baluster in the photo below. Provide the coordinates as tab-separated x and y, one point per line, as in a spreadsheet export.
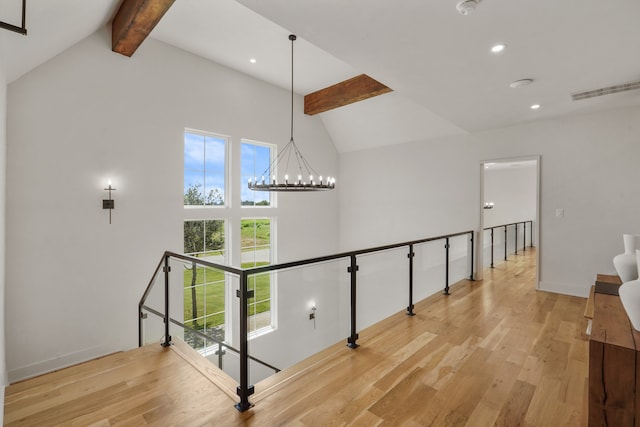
353	338
244	390
471	274
524	236
140	319
492	248
220	352
516	233
531	239
505	242
166	269
410	255
446	266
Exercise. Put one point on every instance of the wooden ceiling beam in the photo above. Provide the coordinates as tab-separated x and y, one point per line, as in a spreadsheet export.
134	21
344	93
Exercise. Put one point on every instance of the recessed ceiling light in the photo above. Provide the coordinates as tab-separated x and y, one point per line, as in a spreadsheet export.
253	60
520	83
535	106
498	48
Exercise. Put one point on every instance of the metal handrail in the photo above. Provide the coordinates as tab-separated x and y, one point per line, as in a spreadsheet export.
184	257
507	225
244	389
227	268
282	266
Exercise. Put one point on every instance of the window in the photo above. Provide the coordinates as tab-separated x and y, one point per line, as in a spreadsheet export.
255	164
204	169
255	246
204	288
206	233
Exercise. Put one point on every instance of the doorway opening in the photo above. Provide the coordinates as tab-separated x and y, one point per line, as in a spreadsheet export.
510	200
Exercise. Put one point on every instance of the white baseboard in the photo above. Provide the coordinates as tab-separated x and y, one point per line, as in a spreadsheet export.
57	363
565	289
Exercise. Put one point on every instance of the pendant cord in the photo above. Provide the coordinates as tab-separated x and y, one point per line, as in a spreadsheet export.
292	38
297	185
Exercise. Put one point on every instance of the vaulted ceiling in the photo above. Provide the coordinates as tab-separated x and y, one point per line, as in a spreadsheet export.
438	62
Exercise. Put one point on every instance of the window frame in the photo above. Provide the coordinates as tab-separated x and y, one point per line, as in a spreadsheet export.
233	217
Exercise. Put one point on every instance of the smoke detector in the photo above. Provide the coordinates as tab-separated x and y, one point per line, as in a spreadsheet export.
520	83
466	7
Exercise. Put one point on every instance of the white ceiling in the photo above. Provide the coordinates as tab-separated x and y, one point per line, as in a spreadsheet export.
446	81
52	27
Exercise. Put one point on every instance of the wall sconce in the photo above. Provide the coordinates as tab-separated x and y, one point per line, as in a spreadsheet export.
109	203
312	315
488	205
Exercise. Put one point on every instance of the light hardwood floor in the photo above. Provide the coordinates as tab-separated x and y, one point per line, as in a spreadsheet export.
495	352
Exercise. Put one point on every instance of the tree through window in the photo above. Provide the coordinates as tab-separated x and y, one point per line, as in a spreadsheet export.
204	288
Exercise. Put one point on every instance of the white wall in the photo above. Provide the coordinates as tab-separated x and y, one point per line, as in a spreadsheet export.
588	168
3	182
513	192
406	192
296	336
73	280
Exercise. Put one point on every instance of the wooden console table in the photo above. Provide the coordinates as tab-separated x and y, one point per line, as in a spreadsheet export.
614	365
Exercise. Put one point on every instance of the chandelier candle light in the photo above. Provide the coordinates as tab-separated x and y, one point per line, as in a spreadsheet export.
271	183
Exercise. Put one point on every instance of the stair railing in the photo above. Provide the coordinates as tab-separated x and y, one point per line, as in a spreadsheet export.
505	227
244	389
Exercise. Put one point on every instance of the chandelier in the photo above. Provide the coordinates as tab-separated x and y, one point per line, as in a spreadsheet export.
304	171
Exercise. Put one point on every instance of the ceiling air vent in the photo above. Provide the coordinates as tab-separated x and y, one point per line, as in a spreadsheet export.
605	91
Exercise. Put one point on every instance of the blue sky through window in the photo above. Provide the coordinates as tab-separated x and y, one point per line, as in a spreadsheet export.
204	168
254	163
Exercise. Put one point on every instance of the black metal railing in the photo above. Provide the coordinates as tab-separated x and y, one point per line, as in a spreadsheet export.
244	389
524	237
167	320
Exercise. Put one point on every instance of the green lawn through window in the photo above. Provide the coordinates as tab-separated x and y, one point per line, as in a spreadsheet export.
209	295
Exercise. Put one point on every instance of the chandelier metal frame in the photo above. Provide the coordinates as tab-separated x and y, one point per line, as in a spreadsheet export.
304	169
